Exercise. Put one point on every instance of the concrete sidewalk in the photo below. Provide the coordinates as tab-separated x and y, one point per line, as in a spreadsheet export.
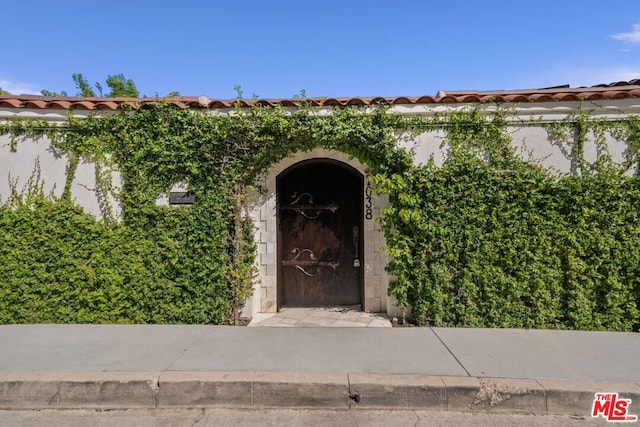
110	366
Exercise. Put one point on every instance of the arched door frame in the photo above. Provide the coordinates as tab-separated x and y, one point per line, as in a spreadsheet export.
263	213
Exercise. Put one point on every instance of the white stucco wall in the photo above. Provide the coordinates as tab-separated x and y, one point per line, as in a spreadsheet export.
19	166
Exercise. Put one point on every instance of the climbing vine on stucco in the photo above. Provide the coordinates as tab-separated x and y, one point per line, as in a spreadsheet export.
193	264
490	239
487	238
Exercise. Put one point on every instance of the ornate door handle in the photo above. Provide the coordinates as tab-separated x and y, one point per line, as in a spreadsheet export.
312	262
309	210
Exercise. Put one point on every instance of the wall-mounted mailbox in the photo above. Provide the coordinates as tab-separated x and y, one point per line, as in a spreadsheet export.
181	198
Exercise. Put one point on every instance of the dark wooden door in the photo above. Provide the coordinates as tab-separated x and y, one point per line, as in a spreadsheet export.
320	235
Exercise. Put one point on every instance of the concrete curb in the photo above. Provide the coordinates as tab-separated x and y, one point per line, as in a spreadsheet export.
182	389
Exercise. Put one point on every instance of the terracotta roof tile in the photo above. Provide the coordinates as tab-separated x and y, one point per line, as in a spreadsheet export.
356	101
217	104
83	105
106	105
425	100
60	104
514	98
35	103
617	95
616	90
379	100
540	97
472	98
331	101
10	102
266	102
448	99
399	101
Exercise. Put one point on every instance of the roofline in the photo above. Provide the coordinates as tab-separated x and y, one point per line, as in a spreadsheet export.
612	91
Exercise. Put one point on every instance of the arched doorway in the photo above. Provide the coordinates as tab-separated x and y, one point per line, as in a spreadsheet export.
320	234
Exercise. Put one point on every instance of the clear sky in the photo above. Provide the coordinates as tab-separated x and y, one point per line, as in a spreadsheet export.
335	48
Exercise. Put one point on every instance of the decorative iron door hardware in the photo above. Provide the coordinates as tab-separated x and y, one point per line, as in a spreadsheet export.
304	208
311	262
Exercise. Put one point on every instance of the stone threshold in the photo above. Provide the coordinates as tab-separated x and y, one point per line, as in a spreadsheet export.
321	317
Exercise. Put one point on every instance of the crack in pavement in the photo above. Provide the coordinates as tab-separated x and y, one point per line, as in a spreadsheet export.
450	352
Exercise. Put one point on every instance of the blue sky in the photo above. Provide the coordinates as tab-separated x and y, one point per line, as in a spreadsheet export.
336	48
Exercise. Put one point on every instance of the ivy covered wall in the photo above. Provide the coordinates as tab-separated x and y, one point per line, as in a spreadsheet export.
490	238
481	235
201	256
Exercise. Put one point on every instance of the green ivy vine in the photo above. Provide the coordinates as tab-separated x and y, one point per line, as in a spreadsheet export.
490	240
485	239
195	264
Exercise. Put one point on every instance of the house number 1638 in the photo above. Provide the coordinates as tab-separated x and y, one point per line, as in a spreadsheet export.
368	214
